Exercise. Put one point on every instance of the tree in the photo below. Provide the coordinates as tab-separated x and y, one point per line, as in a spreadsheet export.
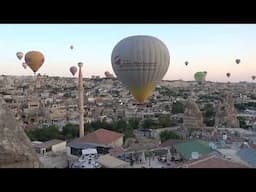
209	114
44	134
120	125
164	121
166	135
70	131
178	107
133	123
240	106
149	124
243	123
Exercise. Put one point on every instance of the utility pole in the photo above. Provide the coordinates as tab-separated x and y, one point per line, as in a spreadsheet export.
81	100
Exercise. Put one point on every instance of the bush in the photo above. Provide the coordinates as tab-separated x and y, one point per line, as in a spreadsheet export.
44	134
70	131
166	135
178	107
164	121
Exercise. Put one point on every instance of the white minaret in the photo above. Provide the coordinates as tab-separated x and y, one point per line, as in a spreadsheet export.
81	100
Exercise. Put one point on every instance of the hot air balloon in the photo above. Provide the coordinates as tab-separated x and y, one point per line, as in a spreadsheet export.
73	70
238	61
19	55
80	64
228	75
107	73
34	60
24	65
186	63
140	62
200	76
71	47
253	77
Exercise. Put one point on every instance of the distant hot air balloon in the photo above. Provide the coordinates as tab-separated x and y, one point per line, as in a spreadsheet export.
34	60
253	77
238	61
140	62
228	75
186	63
107	73
24	65
19	55
73	70
200	76
80	64
71	47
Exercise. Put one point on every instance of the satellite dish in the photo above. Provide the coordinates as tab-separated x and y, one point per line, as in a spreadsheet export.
195	155
212	145
225	136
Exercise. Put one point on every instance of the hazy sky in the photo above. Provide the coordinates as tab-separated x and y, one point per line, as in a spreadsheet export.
207	47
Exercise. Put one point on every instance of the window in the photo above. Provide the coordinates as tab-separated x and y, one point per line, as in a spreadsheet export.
76	152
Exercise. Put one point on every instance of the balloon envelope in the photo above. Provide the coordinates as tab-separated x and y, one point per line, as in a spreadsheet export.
238	61
228	74
34	60
73	70
253	77
19	55
186	63
71	47
24	65
140	62
200	76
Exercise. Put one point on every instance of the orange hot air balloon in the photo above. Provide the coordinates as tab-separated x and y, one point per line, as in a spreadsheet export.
34	60
73	70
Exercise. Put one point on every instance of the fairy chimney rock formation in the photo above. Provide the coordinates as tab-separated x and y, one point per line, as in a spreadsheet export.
16	150
193	118
226	114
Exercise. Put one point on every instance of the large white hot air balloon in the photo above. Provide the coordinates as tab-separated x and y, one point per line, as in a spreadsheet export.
140	63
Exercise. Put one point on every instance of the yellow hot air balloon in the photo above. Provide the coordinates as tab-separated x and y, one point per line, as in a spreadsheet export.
34	60
140	62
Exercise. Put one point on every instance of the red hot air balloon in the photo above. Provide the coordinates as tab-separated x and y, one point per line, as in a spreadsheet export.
73	70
